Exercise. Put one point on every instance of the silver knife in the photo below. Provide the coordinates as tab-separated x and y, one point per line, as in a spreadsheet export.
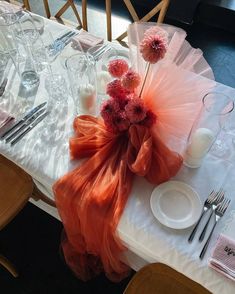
24	125
29	128
21	121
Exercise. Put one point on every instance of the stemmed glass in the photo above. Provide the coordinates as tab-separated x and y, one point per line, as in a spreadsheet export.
57	90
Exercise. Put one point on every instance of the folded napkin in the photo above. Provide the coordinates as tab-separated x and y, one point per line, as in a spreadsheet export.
4	118
85	40
223	256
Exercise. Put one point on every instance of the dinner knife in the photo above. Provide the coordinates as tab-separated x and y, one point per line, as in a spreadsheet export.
24	125
29	128
21	121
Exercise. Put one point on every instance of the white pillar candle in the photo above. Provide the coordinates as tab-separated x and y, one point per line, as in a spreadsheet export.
87	98
201	142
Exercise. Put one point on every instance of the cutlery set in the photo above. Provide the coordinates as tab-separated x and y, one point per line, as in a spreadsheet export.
59	44
16	132
217	205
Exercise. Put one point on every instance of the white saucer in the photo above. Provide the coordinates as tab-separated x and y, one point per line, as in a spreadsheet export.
175	205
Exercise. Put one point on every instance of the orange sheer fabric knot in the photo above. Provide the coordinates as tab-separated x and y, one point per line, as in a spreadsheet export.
91	198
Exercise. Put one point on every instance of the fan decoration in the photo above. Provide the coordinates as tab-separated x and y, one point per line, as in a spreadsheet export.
141	131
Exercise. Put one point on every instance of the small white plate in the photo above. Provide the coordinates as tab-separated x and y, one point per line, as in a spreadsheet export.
175	205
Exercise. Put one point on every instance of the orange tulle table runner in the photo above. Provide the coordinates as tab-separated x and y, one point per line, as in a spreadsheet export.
91	198
142	131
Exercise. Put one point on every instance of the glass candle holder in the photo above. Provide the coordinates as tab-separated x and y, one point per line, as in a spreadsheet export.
214	111
82	77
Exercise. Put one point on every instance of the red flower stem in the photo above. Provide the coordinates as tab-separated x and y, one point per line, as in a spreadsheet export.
145	77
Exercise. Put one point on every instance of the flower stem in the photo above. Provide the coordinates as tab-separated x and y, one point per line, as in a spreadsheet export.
145	77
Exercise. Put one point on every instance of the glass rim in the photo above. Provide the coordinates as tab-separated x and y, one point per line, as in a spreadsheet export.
218	93
84	55
9	13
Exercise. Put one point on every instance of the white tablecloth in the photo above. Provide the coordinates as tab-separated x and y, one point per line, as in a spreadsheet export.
46	158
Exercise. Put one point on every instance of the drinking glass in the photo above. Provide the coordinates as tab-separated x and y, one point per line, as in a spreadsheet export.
82	77
8	27
16	42
103	55
26	32
214	111
224	146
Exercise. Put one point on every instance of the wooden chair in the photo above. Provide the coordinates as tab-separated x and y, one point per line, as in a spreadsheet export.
160	8
158	278
26	5
68	3
16	187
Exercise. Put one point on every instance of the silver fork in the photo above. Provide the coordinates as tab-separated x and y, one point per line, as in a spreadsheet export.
218	199
207	205
219	212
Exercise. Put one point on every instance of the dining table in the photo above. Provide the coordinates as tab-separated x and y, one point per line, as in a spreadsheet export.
44	154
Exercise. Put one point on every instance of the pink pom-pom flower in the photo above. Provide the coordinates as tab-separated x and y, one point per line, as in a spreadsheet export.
149	120
116	90
118	67
109	109
121	122
135	110
131	80
153	47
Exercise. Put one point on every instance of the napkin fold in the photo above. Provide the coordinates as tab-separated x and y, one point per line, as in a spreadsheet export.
223	256
85	40
4	118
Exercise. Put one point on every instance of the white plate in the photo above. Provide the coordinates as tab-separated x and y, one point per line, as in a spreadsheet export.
175	205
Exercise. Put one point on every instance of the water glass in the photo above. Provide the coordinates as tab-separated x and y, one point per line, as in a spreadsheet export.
8	27
214	111
82	76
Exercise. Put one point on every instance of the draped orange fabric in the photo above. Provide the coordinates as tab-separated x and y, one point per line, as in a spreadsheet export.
91	198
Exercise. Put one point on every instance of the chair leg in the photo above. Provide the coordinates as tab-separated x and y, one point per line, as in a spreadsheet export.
148	16
71	2
9	266
163	11
26	5
62	9
84	15
46	5
108	18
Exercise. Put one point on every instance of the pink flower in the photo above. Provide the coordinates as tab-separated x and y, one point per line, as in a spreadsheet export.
156	30
131	80
154	46
135	110
149	120
116	90
121	122
117	67
109	109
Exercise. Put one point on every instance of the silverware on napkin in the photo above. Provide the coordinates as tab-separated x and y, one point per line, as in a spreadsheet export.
24	119
29	128
11	136
219	212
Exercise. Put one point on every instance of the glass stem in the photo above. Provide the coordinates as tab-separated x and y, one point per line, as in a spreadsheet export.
145	78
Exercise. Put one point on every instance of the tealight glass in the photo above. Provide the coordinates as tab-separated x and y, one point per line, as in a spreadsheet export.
214	111
82	76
